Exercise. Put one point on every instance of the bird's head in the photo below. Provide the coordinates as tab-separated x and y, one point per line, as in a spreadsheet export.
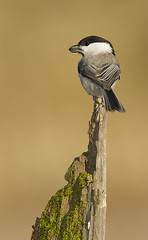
92	45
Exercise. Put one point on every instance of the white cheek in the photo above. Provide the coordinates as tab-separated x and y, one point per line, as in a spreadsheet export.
97	48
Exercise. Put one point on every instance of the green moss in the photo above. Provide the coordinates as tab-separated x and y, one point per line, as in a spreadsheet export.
73	225
64	215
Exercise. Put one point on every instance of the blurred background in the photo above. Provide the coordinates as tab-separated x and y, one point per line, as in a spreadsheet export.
44	111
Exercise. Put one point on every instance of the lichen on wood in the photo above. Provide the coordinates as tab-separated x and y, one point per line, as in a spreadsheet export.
65	213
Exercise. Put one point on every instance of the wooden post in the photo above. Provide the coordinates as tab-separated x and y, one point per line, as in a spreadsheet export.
78	211
97	198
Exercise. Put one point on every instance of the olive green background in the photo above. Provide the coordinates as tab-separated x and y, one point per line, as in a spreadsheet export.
44	111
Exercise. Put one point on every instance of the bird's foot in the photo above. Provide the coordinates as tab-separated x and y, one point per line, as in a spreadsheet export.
98	103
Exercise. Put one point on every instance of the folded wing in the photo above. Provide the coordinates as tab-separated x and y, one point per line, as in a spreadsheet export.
105	75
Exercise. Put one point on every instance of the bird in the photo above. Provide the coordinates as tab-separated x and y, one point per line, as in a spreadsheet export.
99	70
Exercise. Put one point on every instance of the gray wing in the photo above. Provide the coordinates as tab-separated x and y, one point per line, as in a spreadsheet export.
105	75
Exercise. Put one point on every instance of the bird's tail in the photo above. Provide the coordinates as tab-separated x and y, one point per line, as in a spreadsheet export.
111	102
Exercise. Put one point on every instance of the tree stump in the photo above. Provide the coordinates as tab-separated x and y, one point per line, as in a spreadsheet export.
78	211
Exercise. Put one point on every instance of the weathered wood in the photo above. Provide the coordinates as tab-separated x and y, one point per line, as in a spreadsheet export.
97	199
78	211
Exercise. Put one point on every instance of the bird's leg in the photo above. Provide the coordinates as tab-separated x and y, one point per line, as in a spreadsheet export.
98	103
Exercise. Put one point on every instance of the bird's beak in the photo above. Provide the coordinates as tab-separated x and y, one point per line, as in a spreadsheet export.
75	49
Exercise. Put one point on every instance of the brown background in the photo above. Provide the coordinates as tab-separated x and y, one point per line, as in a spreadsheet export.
44	111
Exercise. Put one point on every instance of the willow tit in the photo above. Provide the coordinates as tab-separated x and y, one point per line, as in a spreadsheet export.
99	70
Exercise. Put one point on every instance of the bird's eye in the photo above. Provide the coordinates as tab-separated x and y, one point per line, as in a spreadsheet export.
86	44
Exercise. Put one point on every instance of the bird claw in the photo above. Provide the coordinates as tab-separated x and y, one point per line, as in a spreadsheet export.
98	103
